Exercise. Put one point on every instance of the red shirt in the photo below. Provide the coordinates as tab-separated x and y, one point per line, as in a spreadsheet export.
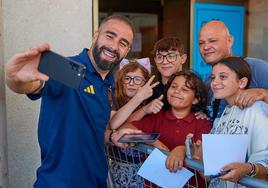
173	131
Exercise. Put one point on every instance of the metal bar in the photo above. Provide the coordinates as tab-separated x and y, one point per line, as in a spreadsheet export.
196	165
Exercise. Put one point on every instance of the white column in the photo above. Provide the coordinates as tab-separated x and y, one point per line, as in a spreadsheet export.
3	131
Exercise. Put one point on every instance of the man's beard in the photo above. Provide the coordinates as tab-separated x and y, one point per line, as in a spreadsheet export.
102	64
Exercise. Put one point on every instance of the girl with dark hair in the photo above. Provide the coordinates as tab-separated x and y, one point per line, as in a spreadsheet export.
229	77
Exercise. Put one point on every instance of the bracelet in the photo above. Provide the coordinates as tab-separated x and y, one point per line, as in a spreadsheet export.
257	169
111	135
254	170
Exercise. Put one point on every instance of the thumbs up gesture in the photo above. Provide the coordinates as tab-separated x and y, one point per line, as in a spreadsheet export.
154	106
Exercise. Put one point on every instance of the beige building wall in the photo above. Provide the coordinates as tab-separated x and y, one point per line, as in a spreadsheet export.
67	26
258	29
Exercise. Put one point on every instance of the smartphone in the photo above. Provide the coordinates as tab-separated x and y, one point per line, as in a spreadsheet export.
62	69
142	137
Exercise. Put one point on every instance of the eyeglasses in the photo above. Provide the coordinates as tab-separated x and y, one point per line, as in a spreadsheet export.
136	80
170	57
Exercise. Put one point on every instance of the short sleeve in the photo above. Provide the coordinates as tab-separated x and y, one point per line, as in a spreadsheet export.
259	69
204	127
51	88
147	124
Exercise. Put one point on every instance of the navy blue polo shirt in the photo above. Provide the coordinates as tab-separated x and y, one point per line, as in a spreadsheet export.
71	131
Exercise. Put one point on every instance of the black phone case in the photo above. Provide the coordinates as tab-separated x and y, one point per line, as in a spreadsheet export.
62	69
128	138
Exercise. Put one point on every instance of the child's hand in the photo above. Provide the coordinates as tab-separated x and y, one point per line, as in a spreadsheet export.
197	150
175	159
146	91
236	171
158	144
118	134
201	115
154	106
194	149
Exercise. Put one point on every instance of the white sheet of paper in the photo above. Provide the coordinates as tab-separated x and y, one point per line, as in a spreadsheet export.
220	150
154	170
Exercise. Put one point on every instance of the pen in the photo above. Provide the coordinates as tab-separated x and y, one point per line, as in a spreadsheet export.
219	174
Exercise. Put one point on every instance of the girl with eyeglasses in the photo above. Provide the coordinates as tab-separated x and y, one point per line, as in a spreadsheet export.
132	86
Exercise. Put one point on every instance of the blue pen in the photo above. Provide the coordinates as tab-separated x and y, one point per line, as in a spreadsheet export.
219	174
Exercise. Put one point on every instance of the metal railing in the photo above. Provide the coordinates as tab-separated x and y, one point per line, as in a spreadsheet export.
132	158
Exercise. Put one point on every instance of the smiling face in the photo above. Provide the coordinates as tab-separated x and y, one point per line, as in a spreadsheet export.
215	42
169	62
111	44
132	82
225	83
179	95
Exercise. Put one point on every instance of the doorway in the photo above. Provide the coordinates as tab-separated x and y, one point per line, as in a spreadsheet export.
153	19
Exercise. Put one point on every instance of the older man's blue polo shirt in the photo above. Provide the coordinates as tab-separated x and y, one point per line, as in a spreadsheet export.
71	131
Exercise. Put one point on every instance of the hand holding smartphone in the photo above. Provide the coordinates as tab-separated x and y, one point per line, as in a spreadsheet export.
142	137
62	69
